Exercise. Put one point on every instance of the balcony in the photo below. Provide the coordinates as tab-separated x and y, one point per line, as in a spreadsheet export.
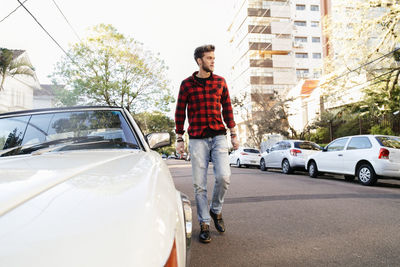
280	11
281	27
282	61
280	44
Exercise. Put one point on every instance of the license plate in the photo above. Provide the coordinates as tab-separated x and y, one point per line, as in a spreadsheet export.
253	161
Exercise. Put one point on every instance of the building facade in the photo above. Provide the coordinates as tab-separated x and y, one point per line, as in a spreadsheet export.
17	91
274	45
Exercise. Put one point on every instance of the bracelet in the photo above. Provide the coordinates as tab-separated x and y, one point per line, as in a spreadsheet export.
179	139
233	135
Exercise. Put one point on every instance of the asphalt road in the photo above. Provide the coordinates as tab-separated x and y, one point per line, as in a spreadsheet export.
274	219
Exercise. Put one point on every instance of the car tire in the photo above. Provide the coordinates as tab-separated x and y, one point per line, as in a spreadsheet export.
312	169
349	178
238	164
262	165
366	174
286	169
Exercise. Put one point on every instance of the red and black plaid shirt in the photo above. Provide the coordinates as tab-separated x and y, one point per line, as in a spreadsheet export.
203	104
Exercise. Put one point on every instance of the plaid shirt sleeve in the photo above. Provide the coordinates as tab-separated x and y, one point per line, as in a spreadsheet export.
227	111
180	112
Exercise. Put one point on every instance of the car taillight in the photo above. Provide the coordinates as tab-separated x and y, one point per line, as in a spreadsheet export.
294	152
173	258
244	154
383	153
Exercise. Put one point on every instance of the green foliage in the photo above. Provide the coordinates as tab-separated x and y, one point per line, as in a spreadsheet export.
321	135
112	69
10	66
156	122
377	129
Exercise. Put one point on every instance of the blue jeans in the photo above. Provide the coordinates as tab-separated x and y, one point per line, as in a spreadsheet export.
200	152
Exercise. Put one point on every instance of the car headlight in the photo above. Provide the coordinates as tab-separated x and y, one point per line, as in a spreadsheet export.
187	214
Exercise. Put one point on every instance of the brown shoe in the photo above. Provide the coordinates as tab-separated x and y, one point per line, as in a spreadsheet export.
218	221
205	233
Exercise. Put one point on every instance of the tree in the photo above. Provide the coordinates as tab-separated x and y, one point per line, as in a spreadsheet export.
110	68
363	36
263	114
10	66
156	122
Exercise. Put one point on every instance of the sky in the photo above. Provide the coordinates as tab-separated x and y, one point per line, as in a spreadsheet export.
173	28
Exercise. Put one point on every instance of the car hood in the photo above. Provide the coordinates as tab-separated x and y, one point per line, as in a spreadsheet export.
86	208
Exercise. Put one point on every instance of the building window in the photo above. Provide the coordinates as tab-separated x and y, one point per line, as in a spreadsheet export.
314	23
316	55
302	73
300	39
301	55
316	40
300	7
314	7
301	23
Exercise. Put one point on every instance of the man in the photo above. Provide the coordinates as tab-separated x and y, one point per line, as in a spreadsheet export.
204	94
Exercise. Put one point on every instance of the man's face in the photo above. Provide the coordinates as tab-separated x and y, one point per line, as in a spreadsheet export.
207	61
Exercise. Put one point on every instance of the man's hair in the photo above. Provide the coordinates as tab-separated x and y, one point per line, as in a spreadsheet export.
199	51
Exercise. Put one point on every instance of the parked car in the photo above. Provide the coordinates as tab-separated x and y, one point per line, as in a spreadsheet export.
367	157
288	155
245	156
83	187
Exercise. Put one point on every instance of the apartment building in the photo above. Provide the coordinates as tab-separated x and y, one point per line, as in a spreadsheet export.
274	45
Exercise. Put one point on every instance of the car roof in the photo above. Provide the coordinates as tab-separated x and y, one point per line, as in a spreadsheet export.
46	110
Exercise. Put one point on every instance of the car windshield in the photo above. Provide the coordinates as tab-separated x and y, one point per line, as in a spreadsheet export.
251	150
389	141
71	130
307	145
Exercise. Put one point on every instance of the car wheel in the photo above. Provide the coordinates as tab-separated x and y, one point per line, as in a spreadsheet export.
286	169
366	175
349	177
262	165
238	164
313	170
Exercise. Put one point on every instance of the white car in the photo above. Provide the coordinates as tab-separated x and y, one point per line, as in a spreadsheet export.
83	187
288	155
245	156
367	157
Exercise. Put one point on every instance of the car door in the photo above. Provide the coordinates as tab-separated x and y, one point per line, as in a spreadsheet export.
271	158
284	146
331	158
356	149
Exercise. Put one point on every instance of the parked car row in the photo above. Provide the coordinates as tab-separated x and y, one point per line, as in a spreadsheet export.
367	157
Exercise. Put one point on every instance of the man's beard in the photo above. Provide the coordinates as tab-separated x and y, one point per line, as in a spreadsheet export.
206	69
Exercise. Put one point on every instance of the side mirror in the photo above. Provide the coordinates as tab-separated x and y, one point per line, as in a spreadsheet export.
157	140
267	150
324	149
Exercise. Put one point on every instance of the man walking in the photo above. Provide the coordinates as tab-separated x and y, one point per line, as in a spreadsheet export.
205	94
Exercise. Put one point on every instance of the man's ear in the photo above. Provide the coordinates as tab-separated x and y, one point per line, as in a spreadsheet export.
198	60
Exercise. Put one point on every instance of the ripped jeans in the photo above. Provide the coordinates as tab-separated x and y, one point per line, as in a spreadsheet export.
200	152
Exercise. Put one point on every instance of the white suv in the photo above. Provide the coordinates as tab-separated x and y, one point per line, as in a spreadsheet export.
367	157
288	155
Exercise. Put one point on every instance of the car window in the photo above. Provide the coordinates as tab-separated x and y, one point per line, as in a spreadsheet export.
275	147
389	141
337	145
107	125
307	145
283	145
12	131
251	150
359	143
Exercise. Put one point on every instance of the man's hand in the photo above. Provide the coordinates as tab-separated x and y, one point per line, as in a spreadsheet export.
180	147
235	142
